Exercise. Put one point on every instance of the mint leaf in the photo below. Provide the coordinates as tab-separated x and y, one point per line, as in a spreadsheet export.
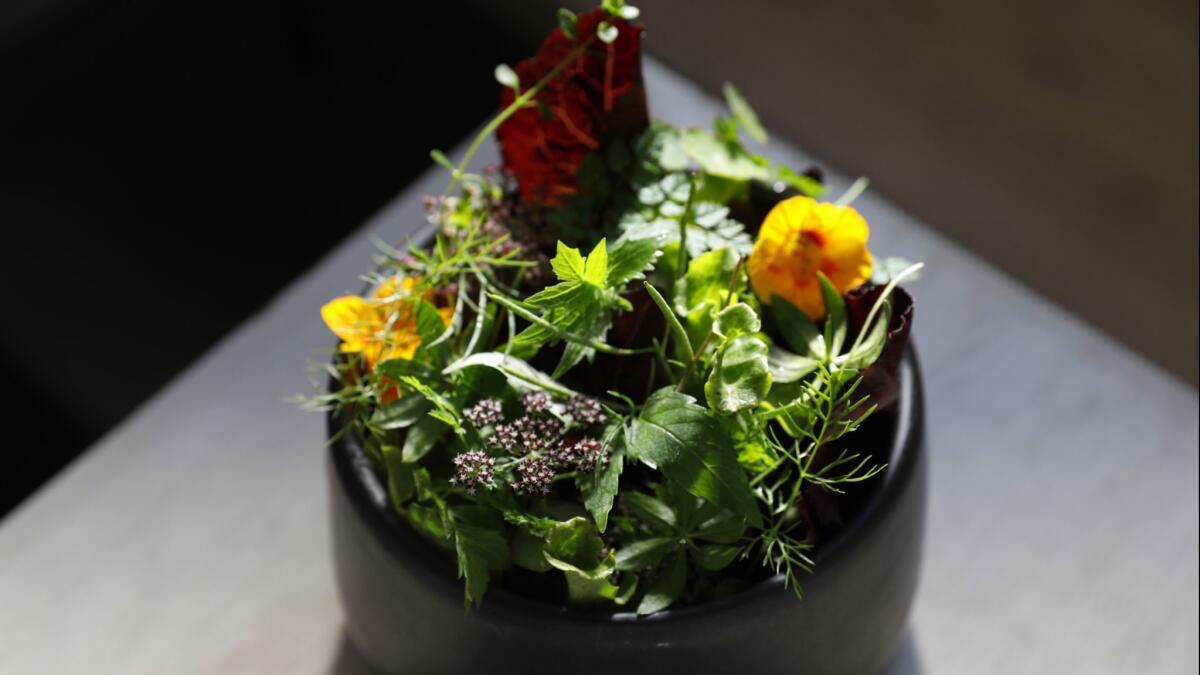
600	487
739	379
692	450
480	548
595	268
568	265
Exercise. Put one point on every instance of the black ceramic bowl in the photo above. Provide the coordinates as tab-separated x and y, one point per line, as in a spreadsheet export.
404	607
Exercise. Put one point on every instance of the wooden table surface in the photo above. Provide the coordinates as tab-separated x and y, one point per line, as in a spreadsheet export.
1063	508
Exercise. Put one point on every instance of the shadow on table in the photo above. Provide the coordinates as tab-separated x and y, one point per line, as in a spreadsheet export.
348	661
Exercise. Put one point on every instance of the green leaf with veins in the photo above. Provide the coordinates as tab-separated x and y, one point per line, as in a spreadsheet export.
667	588
719	157
651	511
703	290
692	450
739	378
481	549
736	319
600	486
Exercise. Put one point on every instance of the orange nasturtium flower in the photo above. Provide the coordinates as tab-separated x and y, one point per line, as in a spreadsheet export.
801	237
383	326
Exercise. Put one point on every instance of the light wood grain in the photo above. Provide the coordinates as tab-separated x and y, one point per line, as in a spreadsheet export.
1063	513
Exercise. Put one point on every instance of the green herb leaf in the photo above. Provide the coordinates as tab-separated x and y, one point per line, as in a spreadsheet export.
739	379
421	437
867	350
600	487
574	547
692	450
745	115
595	268
521	376
724	528
798	331
644	554
480	547
736	319
786	367
567	21
629	257
568	264
720	158
651	511
400	414
714	558
835	315
667	588
400	481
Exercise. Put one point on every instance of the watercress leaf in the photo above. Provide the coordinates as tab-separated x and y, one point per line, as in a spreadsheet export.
745	115
715	557
651	511
691	449
595	268
600	486
736	319
786	367
835	314
421	437
568	264
644	554
798	331
740	378
666	588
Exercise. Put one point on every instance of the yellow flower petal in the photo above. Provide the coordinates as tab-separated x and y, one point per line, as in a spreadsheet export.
801	237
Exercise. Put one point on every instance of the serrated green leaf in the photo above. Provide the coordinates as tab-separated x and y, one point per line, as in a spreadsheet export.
600	487
568	264
481	549
739	379
595	268
630	256
744	114
692	450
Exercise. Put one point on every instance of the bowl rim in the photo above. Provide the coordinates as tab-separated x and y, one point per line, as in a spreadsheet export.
367	493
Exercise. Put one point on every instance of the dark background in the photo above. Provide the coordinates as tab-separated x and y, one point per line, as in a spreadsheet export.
166	167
